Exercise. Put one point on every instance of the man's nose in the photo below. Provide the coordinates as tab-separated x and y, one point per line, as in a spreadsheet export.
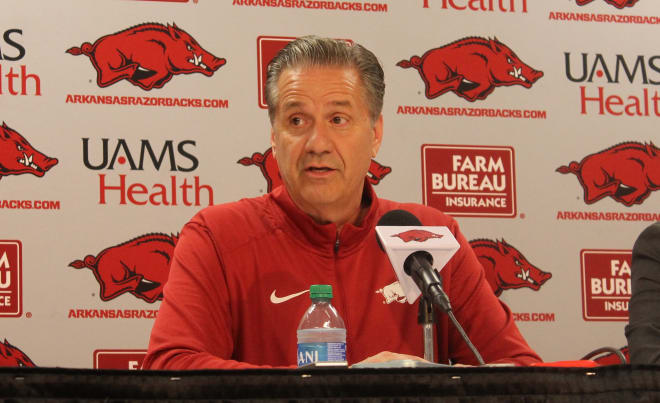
319	140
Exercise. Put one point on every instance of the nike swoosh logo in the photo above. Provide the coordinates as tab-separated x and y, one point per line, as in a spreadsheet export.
277	300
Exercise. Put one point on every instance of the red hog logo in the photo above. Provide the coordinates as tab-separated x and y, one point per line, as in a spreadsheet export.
615	3
147	55
471	67
140	266
417	235
506	268
18	157
269	169
627	172
12	356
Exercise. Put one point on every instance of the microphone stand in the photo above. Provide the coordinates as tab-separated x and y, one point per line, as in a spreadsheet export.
426	318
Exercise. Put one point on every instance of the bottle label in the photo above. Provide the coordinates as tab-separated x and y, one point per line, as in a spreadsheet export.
309	353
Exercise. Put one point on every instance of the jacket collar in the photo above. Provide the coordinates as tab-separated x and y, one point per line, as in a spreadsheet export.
323	237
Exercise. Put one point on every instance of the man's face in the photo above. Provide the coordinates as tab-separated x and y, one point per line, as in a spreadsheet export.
323	139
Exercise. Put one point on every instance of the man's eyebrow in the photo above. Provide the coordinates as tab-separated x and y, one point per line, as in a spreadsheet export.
341	103
291	105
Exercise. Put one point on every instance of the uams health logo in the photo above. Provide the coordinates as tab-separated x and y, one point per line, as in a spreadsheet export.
506	268
140	267
15	80
17	156
471	68
627	172
615	3
469	181
597	69
605	284
11	268
269	169
147	55
12	356
110	155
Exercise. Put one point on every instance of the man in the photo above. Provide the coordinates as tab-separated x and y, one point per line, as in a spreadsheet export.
240	272
643	329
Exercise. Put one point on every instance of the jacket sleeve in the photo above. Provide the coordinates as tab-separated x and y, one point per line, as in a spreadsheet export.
643	329
487	320
193	329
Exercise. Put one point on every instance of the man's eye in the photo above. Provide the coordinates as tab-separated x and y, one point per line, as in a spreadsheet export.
296	121
338	120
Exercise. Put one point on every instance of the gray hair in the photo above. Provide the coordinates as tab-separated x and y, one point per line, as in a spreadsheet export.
314	51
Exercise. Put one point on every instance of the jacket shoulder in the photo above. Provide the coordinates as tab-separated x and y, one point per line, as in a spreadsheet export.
236	223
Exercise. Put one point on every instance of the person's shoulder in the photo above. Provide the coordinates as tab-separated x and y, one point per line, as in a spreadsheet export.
652	230
239	221
650	235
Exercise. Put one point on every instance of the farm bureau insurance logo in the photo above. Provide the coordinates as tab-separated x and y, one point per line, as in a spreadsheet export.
503	6
107	155
605	284
267	49
11	269
269	169
471	68
119	359
469	181
627	172
18	81
602	79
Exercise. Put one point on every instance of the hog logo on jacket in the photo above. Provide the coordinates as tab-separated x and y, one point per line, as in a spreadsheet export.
269	169
140	266
506	268
18	157
12	356
627	172
615	3
471	67
147	55
418	235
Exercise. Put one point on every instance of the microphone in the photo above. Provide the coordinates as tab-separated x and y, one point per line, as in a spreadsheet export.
418	265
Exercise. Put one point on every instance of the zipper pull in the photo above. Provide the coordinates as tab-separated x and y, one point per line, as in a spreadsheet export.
337	244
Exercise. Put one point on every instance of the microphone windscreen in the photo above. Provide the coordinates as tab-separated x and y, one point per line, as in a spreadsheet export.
397	218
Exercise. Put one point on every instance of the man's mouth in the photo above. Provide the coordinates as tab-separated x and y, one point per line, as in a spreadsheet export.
318	169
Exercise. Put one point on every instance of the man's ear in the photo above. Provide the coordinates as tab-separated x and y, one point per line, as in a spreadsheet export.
273	149
377	136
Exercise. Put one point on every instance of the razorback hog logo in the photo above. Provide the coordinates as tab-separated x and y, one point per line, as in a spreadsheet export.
615	3
268	165
471	67
147	55
18	157
627	172
505	267
140	266
12	356
418	235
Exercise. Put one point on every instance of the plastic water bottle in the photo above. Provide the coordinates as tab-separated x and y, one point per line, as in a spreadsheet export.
321	333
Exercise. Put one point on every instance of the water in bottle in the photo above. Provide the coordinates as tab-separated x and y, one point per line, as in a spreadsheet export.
321	333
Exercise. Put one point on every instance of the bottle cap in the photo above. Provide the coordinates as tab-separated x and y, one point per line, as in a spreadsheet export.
320	291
